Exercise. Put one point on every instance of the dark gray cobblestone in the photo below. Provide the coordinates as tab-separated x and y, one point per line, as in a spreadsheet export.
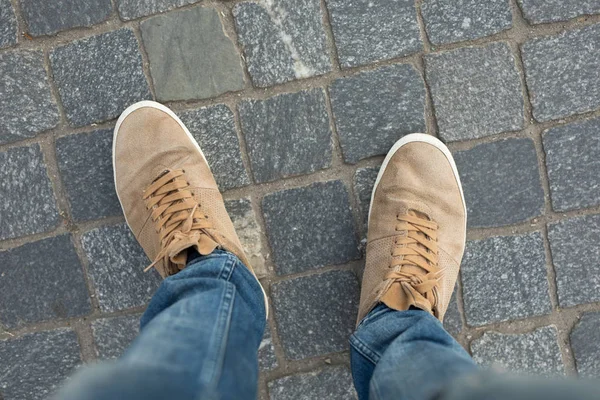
98	77
8	24
573	243
316	314
504	278
501	181
266	352
50	274
374	109
310	227
450	21
573	164
131	9
535	353
452	320
35	364
47	17
540	11
563	73
326	383
113	335
369	31
364	181
486	81
584	341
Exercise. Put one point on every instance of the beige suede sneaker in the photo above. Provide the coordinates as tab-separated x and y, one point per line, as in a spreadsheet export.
417	229
169	196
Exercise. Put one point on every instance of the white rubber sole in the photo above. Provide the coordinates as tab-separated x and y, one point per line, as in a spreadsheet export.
423	138
158	106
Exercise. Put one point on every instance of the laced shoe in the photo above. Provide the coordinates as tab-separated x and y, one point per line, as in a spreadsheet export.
417	229
168	194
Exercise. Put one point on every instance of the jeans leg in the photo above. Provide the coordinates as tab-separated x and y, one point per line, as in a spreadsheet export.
199	339
404	355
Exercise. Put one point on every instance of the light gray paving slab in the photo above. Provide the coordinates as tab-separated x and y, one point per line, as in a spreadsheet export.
132	9
190	55
333	382
113	335
542	11
366	31
8	24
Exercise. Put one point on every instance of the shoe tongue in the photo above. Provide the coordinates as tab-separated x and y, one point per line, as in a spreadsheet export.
202	242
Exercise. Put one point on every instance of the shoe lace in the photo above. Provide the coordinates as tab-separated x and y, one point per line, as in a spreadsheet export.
175	212
416	253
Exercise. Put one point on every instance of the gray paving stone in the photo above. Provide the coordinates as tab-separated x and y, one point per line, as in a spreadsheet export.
131	9
535	353
8	24
114	335
266	352
501	182
181	39
26	105
574	246
504	278
315	314
97	77
35	364
287	135
47	17
214	130
85	164
573	164
563	73
486	81
584	342
116	267
310	227
449	21
250	234
28	204
374	109
452	321
369	31
540	11
333	382
41	281
364	181
282	40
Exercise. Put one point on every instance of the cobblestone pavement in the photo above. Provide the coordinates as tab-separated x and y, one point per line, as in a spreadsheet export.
295	103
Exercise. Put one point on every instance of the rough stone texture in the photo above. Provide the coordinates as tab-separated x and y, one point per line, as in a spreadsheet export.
535	353
450	21
376	108
452	321
266	352
26	105
486	81
573	164
327	383
501	182
214	130
181	39
85	164
8	24
116	266
584	342
540	11
47	17
244	220
316	314
563	73
287	134
114	335
131	9
368	31
310	227
27	205
364	181
35	364
41	281
574	246
504	277
99	76
282	40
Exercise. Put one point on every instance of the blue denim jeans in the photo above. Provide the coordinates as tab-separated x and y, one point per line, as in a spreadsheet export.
201	332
